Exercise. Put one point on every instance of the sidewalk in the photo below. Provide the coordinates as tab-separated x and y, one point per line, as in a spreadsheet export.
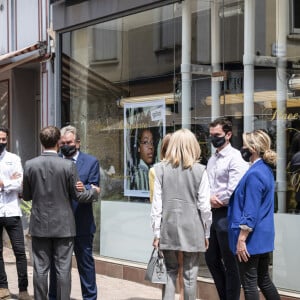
108	288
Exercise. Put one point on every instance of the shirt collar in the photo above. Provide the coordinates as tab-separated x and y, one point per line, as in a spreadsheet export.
74	158
3	153
256	161
224	151
142	164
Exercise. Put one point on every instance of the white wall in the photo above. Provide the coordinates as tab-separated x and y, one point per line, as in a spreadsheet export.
286	257
125	231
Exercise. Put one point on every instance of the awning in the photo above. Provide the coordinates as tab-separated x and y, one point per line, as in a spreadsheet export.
32	53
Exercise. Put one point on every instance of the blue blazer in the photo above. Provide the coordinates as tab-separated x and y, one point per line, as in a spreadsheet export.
89	173
252	204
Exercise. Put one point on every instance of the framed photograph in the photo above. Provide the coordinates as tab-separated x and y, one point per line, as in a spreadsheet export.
144	128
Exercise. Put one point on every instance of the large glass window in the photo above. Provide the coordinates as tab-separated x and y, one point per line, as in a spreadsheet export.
122	87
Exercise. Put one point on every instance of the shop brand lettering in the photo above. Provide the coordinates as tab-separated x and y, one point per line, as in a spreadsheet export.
285	116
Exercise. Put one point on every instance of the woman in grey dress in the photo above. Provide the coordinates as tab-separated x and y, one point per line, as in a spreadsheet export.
181	212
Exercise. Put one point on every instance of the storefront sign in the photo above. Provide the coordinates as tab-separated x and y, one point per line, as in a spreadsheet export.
234	83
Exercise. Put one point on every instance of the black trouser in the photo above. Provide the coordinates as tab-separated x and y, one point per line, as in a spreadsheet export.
255	272
220	260
14	229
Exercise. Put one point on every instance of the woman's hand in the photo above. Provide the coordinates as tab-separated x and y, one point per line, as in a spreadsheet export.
241	251
155	243
206	243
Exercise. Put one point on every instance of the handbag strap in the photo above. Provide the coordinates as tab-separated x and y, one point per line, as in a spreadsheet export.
157	252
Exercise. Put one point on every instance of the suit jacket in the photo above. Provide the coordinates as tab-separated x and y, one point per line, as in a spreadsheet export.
49	181
252	204
89	173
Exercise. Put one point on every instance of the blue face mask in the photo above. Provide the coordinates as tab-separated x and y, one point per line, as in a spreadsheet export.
246	154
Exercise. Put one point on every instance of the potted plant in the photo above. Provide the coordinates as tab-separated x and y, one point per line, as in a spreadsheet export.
26	210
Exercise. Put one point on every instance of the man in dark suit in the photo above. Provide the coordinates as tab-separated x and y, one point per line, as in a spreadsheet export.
51	183
89	173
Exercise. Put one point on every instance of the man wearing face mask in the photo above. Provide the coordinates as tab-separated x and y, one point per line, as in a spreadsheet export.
225	168
11	176
89	173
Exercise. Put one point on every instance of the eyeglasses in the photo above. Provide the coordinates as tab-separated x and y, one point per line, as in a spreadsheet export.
147	143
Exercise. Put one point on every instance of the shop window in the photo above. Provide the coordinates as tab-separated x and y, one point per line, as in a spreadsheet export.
294	16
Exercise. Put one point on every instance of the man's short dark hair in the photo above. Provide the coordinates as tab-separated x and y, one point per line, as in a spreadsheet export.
4	129
49	136
224	122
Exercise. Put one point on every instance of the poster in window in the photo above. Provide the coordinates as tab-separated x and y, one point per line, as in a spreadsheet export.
144	128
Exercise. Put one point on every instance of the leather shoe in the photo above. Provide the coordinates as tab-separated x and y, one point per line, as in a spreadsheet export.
24	296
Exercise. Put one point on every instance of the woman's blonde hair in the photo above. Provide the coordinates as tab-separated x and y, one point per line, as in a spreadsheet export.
164	145
183	149
260	142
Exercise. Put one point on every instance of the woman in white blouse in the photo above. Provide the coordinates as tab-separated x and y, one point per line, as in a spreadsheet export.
181	212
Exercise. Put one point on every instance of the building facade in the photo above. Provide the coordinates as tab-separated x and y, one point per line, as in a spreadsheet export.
121	67
26	73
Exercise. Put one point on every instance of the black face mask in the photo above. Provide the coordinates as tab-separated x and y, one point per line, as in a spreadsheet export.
68	150
246	154
218	141
2	147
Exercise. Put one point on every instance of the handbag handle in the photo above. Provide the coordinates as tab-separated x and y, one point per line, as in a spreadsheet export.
157	252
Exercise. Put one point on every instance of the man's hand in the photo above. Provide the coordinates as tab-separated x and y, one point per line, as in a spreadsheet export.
215	202
97	188
15	175
79	186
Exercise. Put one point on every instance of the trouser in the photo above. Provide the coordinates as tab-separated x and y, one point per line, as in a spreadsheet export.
14	229
220	260
255	272
191	262
43	251
83	248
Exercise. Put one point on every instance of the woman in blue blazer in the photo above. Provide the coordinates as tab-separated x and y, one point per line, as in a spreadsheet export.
251	217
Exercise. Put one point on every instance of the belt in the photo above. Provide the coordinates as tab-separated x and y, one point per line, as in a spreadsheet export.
214	209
